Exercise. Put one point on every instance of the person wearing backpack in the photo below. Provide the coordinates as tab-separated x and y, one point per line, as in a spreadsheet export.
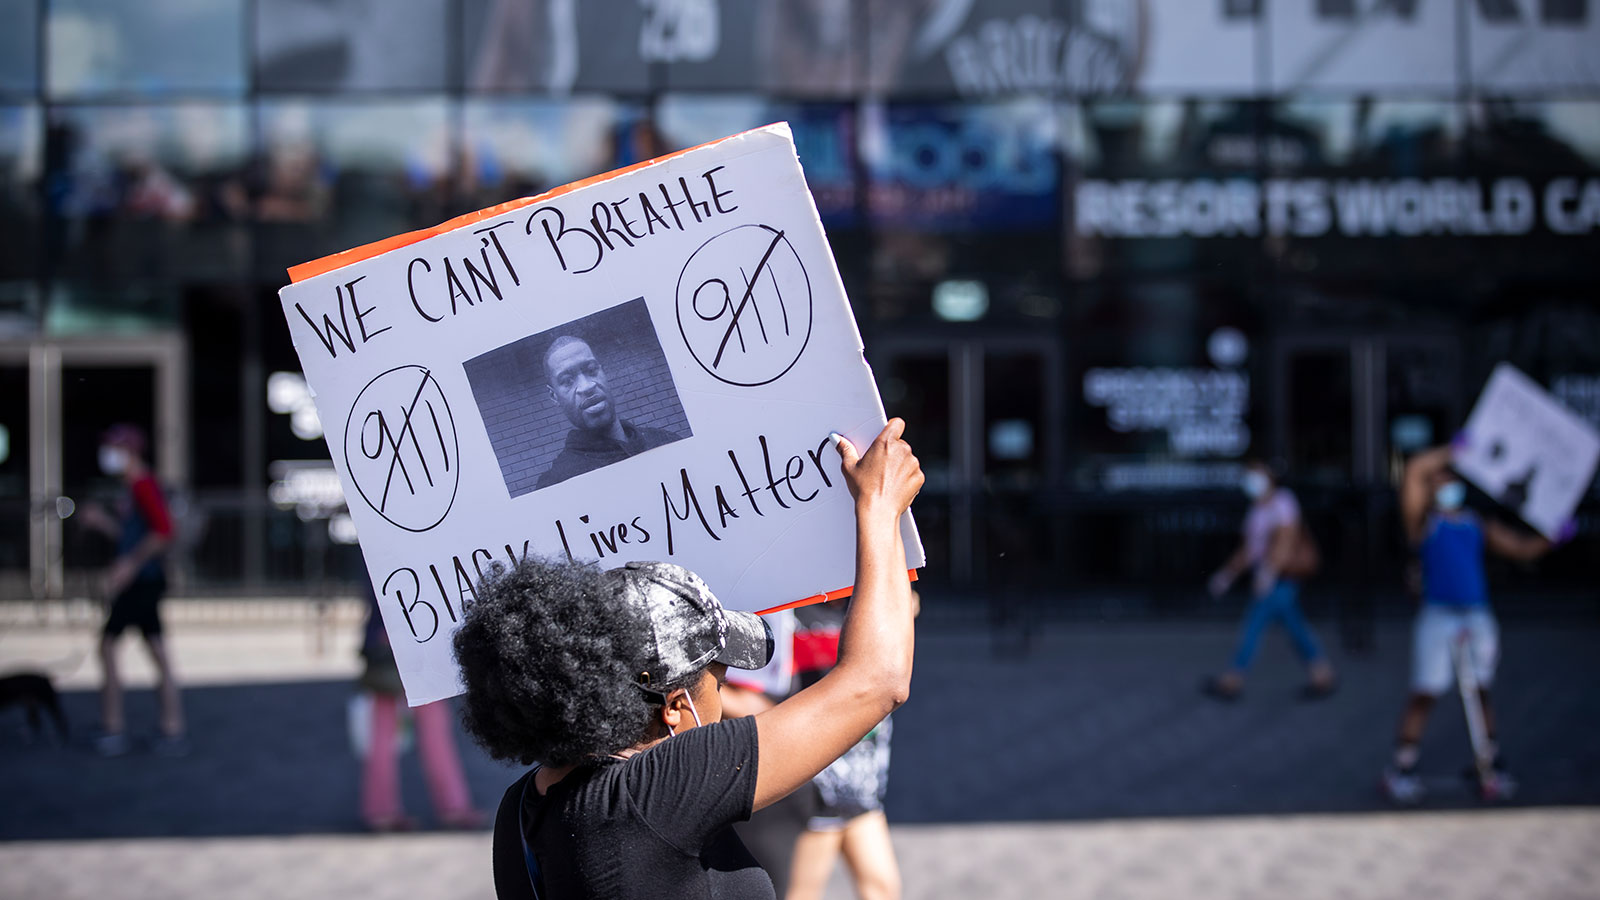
1279	553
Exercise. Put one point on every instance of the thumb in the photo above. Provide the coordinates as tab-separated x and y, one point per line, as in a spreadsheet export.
848	457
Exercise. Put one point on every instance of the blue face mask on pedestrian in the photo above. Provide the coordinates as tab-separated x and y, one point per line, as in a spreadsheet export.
1449	497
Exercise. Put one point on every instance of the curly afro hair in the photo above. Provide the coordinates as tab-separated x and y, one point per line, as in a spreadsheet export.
550	657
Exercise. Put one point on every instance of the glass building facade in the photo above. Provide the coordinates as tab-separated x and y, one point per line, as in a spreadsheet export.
1101	251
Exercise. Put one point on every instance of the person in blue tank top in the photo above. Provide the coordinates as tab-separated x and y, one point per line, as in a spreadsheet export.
1450	542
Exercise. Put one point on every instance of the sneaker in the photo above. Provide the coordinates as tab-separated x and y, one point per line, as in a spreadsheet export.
1402	786
1319	690
171	746
1218	689
464	820
112	745
392	824
1499	785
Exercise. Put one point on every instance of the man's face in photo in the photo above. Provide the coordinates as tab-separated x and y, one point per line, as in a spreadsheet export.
578	385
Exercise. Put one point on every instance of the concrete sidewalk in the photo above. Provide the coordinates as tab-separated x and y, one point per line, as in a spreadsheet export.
1529	855
1087	767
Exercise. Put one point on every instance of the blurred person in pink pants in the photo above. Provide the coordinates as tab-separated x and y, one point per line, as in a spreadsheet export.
381	806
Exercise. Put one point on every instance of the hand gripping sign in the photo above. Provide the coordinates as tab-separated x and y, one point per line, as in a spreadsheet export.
644	365
1527	451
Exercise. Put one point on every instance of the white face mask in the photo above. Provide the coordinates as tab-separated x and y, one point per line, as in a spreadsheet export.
113	460
1449	497
1255	485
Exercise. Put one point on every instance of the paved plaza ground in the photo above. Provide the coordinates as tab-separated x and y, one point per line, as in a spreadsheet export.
1088	766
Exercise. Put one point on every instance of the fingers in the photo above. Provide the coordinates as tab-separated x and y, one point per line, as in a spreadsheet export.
888	471
892	430
847	451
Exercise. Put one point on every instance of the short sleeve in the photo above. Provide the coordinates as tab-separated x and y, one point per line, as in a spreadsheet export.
1288	509
147	495
691	786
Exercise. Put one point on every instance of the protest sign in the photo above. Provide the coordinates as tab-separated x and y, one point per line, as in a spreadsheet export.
642	366
1527	451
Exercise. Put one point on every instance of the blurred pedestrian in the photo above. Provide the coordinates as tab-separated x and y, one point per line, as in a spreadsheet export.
770	834
381	807
142	530
848	819
1450	541
1278	553
608	681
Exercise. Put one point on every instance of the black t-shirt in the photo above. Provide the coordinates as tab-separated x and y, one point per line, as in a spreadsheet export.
655	825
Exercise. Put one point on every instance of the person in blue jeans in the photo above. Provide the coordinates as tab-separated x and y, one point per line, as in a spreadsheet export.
1450	541
1271	535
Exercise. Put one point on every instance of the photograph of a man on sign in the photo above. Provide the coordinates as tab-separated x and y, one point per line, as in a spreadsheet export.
603	377
599	437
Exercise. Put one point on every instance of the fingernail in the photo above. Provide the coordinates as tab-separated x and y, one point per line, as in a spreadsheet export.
835	438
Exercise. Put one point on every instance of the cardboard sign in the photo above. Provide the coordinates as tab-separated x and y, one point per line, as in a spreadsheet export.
1527	451
642	366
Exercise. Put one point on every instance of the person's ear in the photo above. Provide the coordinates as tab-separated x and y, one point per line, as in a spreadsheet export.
552	389
676	710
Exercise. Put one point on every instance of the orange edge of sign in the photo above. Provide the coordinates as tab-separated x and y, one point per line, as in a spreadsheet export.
822	598
344	258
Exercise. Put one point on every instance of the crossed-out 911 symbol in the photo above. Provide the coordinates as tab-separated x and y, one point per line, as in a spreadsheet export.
745	305
401	448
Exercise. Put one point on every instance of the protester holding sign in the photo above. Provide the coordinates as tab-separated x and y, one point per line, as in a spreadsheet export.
1450	542
607	680
1274	549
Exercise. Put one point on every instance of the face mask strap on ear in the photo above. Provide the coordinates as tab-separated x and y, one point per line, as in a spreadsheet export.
660	698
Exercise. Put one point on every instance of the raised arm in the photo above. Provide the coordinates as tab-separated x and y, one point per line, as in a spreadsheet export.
800	736
1414	499
1502	540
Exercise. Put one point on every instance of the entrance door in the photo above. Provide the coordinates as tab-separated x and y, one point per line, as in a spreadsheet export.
56	397
984	415
1348	410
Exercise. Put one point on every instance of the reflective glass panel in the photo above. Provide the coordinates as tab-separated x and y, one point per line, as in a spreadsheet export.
143	198
337	173
1161	185
562	45
516	148
947	167
148	47
19	46
1160	386
21	154
823	136
352	44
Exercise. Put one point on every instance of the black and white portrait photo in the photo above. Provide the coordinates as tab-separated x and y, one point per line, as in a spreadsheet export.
577	397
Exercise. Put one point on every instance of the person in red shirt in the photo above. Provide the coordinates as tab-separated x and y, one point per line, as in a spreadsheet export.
135	582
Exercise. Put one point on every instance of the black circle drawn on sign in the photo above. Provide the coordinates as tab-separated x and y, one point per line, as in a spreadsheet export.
764	248
417	453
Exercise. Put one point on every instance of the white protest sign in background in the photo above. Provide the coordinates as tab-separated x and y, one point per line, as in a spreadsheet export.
643	367
1527	451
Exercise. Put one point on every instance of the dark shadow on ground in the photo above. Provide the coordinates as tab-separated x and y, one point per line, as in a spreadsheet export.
1097	721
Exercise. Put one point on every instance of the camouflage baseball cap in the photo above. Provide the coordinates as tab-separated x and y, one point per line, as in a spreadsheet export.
690	629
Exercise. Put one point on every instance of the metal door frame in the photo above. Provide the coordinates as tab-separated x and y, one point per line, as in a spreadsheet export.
1369	378
166	354
967	450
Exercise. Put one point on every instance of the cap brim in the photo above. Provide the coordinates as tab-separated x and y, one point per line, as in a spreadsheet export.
750	641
